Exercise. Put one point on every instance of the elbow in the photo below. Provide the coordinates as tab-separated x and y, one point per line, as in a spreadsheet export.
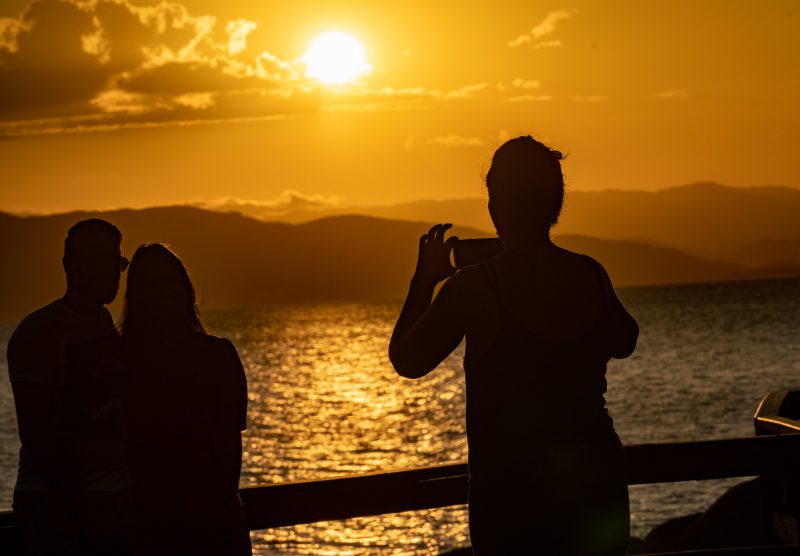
626	345
623	350
26	439
408	371
34	434
404	366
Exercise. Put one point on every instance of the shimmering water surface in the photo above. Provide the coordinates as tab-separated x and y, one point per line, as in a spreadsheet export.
324	401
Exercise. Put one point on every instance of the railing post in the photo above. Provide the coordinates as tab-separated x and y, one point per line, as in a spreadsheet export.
778	413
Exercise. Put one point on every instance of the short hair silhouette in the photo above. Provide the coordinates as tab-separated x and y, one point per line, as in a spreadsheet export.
85	232
525	182
158	286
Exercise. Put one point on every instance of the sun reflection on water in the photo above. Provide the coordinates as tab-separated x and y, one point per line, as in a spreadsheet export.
324	401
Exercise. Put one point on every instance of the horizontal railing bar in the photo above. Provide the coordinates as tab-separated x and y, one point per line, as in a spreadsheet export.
771	550
739	551
777	425
447	485
713	459
355	496
384	492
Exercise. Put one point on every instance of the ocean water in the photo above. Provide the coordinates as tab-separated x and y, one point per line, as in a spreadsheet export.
324	401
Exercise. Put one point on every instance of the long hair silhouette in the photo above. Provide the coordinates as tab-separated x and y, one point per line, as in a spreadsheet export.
186	402
159	292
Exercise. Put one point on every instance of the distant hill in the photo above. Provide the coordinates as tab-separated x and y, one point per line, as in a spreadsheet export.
706	219
235	261
238	261
767	252
630	263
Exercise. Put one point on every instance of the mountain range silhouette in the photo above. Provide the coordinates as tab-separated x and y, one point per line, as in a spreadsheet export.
751	226
238	261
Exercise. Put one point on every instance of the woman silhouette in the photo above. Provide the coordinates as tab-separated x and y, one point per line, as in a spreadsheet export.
547	470
186	408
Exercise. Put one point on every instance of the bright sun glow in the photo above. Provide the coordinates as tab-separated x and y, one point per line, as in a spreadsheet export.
334	57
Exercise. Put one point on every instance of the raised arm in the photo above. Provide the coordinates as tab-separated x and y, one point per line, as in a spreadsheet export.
427	332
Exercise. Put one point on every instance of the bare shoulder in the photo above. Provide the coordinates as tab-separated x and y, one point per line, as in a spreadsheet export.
584	267
215	346
467	277
466	284
36	323
467	290
33	338
590	261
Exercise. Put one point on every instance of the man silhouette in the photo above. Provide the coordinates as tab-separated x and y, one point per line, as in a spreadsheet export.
62	505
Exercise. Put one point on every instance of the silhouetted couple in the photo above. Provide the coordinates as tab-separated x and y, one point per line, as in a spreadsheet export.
547	470
131	440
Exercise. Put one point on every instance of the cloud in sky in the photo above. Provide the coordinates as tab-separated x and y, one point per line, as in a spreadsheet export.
81	65
458	141
672	94
294	200
467	91
529	98
288	200
526	83
547	44
589	98
9	29
545	27
238	30
394	98
111	62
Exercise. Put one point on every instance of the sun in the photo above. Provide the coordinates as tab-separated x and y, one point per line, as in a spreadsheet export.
335	58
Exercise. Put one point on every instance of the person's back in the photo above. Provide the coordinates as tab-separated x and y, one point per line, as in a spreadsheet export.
542	448
556	293
176	396
71	490
547	470
550	343
37	355
186	406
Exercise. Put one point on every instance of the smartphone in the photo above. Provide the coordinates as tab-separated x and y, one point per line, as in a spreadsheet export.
468	252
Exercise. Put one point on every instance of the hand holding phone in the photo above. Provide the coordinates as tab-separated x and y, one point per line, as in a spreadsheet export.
433	261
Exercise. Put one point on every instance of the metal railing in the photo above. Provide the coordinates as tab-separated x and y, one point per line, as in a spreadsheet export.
292	503
370	494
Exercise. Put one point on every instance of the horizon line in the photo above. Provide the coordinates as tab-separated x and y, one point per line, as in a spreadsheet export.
214	205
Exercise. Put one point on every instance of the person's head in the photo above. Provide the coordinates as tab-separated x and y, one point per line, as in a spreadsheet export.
159	293
92	260
526	188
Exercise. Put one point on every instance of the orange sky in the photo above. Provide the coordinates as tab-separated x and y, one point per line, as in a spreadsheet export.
110	103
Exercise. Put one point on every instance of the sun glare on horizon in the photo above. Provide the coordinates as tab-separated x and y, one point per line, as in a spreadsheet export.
335	58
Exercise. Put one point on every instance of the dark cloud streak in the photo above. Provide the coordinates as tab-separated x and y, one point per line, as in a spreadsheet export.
76	66
48	73
70	65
